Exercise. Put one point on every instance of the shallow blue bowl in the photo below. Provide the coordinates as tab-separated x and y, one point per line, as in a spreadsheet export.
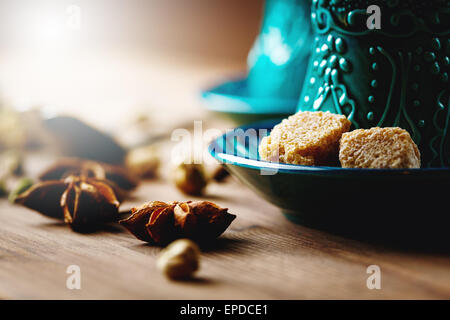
389	204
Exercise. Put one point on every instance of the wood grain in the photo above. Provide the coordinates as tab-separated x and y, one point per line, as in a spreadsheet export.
262	256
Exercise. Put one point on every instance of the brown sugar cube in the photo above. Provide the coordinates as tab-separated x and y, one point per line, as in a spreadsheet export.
378	148
305	138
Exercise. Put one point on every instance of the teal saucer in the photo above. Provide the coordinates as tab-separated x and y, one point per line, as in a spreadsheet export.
233	99
389	204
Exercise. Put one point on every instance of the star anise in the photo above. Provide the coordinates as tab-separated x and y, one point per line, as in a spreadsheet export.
92	169
44	197
201	220
160	223
83	203
88	202
152	222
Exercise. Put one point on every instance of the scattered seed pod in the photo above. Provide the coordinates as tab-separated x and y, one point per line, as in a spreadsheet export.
120	176
179	260
160	223
87	203
83	203
44	197
201	220
90	169
161	226
73	167
152	222
143	162
190	178
23	185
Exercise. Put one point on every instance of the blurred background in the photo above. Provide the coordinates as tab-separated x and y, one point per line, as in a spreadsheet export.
110	61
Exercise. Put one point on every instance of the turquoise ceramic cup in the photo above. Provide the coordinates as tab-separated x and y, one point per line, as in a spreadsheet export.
278	60
395	76
277	65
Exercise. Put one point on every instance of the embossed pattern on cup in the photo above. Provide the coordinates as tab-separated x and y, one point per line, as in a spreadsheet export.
395	76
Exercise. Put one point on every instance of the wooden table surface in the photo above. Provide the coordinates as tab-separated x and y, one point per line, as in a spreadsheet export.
261	256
